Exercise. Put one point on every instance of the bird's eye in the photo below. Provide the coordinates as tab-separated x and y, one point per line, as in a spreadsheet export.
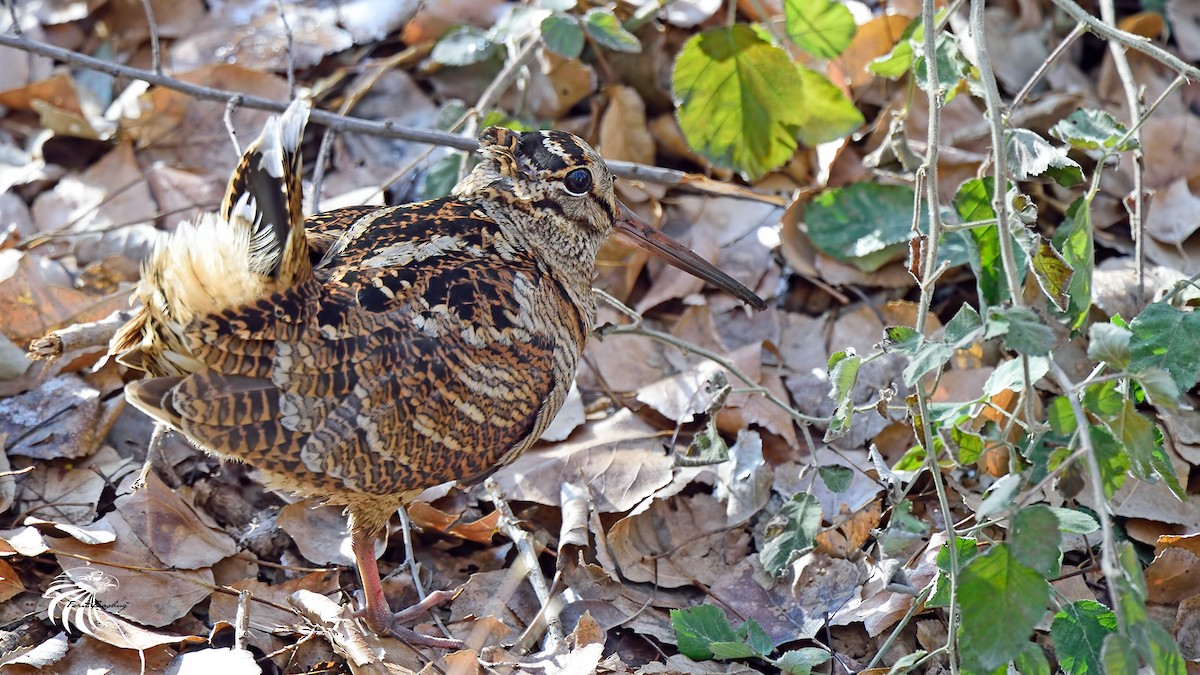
578	182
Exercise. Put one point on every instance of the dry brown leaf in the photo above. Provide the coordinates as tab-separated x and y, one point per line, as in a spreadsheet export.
36	297
59	419
623	131
171	528
262	42
58	90
502	594
1174	574
69	492
620	459
321	532
269	607
752	593
10	583
140	590
677	542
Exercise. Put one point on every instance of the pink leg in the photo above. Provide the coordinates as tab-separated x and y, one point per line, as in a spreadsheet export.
378	614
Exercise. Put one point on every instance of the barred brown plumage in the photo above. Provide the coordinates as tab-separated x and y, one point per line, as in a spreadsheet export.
368	353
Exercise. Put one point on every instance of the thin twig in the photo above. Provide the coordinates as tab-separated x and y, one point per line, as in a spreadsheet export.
291	56
1134	42
92	334
155	45
1041	70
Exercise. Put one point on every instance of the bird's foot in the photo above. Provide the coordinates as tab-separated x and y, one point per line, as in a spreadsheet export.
382	621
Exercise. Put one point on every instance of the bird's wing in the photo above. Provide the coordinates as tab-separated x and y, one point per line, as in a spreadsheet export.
417	356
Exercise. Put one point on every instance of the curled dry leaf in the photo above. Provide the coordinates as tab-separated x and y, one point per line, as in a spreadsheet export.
677	542
270	610
68	492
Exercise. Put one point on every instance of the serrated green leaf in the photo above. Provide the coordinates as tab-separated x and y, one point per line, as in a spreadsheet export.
1091	129
836	477
1002	600
1110	344
563	35
1113	460
963	329
1078	632
967	549
864	224
828	114
931	355
463	46
1011	375
999	496
842	378
1074	239
790	533
606	29
1030	155
735	97
1036	540
1165	657
1118	656
1166	338
819	27
801	661
1103	399
1165	468
1023	330
952	66
698	627
1159	386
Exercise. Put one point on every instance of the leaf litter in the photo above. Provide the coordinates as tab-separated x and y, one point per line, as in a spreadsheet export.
94	170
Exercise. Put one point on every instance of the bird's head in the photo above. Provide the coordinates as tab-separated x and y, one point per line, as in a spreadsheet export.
563	187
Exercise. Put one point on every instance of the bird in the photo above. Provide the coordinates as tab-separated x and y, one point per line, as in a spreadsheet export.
362	355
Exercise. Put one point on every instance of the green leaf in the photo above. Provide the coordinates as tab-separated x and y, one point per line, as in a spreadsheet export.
902	339
1103	399
1118	656
1024	331
1053	273
953	67
827	113
999	496
1109	343
563	35
1165	657
731	650
1159	386
1036	541
1010	375
864	224
1091	129
897	62
1167	338
967	549
1002	600
441	177
1032	660
757	638
1136	433
963	329
735	97
801	661
606	29
837	477
1074	238
931	355
1165	468
1078	632
970	446
1029	155
1114	462
790	533
462	46
843	374
1061	416
1074	522
698	627
819	27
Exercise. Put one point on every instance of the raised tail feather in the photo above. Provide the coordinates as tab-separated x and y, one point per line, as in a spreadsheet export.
254	246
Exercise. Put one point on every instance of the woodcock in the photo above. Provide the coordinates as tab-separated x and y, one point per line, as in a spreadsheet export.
367	353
